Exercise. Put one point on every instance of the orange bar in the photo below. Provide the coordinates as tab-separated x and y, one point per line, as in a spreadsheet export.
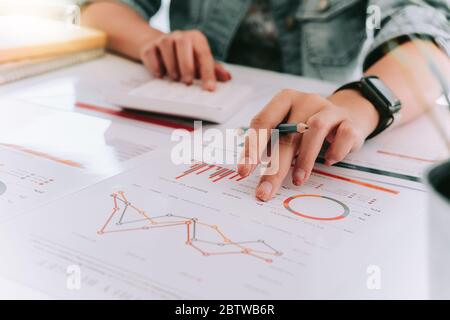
204	170
361	183
404	156
222	170
190	171
226	174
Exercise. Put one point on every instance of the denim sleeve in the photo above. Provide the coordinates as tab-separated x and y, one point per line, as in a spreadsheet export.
430	18
146	8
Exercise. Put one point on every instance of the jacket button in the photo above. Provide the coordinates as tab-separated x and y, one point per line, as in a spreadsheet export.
291	22
323	5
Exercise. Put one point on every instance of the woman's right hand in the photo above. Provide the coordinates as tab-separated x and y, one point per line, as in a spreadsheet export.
183	56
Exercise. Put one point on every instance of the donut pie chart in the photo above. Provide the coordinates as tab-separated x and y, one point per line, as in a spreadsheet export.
338	210
2	188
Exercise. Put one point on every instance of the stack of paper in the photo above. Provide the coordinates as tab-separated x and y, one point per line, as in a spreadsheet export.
34	45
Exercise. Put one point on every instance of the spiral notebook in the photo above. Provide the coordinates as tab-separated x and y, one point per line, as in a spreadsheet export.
14	71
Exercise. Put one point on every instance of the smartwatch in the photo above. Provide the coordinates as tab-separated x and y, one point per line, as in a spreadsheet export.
382	98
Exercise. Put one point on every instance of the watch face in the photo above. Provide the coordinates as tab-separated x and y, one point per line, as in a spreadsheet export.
384	93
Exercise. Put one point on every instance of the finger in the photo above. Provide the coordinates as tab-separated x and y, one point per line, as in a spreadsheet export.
282	155
152	61
206	63
330	137
221	73
185	59
319	127
197	67
167	49
270	184
260	129
346	139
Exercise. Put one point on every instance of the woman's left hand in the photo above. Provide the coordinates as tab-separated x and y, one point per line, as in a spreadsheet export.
344	119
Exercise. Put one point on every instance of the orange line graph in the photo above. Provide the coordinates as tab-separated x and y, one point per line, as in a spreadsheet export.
43	155
198	233
405	156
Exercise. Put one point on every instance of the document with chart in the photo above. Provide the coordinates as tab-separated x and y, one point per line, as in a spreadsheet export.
164	231
27	182
35	169
406	152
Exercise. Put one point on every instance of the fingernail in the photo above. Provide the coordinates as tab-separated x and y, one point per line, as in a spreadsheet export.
299	176
264	191
245	167
329	162
210	85
187	81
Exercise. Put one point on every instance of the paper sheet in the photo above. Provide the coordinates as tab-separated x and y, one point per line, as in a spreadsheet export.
406	152
196	231
226	95
174	98
45	154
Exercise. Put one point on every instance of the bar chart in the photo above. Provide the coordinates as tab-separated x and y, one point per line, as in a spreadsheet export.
215	173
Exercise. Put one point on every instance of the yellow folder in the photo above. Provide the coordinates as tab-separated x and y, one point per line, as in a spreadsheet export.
26	38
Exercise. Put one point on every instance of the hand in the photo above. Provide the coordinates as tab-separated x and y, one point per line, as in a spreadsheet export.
183	56
345	120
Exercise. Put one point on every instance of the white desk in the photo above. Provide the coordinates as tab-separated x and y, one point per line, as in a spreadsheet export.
61	89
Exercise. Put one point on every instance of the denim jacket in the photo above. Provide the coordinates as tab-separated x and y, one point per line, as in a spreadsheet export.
325	39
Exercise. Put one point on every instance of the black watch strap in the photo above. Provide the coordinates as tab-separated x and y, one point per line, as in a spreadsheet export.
379	95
